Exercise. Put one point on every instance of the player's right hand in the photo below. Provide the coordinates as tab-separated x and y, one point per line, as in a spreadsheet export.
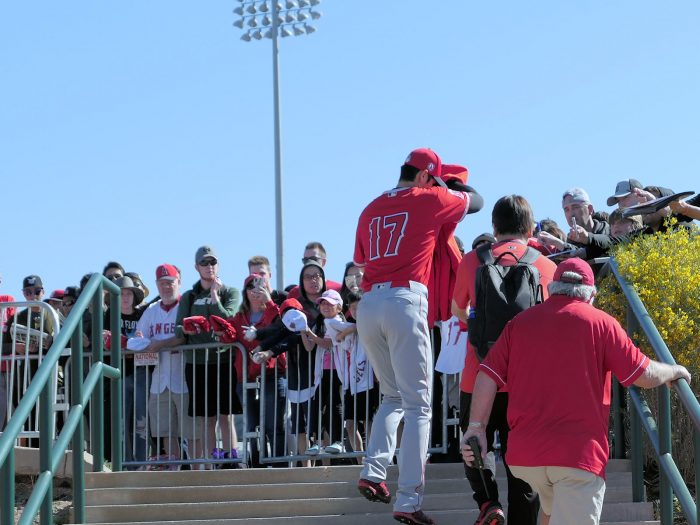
466	450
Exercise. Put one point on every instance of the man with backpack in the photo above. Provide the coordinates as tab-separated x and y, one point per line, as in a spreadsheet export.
495	283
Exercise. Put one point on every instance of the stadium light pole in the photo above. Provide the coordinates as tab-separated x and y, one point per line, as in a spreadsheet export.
261	19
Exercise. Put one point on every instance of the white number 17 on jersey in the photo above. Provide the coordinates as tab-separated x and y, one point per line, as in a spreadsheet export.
392	226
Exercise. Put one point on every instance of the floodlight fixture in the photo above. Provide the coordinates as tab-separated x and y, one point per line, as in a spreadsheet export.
272	19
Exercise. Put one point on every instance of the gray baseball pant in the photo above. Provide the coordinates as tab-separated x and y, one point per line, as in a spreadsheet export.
393	328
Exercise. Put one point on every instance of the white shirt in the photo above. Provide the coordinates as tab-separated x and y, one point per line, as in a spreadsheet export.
158	324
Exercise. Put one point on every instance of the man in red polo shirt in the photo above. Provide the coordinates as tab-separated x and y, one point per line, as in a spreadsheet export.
395	241
557	358
513	221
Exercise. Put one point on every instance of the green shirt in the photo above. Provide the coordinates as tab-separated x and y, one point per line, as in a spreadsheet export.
197	301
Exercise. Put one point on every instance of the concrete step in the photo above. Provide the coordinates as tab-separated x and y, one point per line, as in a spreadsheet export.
276	475
615	493
306	507
441	517
618	514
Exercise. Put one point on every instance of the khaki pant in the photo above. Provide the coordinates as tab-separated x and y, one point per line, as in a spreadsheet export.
570	496
168	416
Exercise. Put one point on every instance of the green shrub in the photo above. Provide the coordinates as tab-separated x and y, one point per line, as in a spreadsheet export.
665	270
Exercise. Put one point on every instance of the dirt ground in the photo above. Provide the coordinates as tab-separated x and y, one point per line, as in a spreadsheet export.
62	498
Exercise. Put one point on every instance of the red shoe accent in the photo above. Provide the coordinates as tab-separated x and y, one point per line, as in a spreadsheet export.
374	491
413	518
491	514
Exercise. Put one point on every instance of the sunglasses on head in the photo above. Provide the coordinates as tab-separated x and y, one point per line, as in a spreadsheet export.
207	262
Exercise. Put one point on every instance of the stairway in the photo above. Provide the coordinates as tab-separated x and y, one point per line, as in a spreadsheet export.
304	496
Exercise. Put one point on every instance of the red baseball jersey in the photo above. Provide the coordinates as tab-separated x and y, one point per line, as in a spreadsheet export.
397	232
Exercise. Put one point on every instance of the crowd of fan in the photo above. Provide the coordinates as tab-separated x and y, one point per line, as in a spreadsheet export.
195	393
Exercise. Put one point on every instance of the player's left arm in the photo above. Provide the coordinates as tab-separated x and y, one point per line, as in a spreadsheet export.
476	201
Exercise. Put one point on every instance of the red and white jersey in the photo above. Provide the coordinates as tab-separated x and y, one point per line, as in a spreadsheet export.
397	232
158	323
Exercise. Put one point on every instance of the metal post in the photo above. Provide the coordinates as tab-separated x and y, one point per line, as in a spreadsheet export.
97	401
78	437
278	150
696	438
46	433
665	489
115	313
637	456
7	495
262	447
618	438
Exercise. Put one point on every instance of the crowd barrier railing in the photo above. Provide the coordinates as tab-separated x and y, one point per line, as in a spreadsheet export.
40	395
286	410
23	350
332	409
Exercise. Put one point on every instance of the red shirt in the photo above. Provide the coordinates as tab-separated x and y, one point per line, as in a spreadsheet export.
5	315
557	358
397	232
242	319
465	291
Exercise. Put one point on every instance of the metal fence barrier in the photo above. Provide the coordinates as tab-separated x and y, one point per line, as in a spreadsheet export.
23	348
316	406
291	414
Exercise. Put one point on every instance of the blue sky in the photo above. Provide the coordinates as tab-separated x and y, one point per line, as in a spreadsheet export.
138	131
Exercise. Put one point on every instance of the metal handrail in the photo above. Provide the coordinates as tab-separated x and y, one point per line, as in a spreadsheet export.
660	436
82	391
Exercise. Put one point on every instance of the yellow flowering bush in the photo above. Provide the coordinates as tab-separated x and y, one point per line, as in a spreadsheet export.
664	268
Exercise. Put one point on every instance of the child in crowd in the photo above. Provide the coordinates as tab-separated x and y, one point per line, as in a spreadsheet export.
329	398
361	397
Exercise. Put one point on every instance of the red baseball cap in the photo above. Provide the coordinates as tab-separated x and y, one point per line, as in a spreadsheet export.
167	271
250	278
57	295
574	271
454	172
291	303
425	159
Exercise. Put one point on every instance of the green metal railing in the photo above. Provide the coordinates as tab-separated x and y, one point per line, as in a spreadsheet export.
84	390
659	435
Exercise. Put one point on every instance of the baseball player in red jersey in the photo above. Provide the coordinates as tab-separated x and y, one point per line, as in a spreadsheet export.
395	240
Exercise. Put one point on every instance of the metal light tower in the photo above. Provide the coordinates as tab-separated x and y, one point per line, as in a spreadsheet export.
270	19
